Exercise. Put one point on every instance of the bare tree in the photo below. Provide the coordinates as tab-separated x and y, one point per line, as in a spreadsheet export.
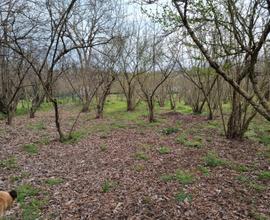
13	69
52	23
160	65
94	24
224	32
242	19
131	63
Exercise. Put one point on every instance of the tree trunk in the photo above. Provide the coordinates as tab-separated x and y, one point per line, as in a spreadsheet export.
57	120
151	116
86	107
210	113
172	103
161	103
36	103
99	111
234	126
130	103
9	117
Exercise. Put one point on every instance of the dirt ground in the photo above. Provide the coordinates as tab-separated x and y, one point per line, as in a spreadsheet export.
128	170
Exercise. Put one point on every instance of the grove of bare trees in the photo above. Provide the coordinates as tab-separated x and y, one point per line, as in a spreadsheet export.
205	53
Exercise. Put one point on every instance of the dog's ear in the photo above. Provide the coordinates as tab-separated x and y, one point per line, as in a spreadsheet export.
13	194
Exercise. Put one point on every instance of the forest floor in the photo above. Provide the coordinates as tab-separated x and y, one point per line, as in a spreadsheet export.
122	167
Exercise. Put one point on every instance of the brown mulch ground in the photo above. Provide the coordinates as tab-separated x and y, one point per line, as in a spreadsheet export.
138	191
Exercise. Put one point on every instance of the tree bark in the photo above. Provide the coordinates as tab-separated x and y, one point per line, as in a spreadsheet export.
86	106
57	120
151	116
234	126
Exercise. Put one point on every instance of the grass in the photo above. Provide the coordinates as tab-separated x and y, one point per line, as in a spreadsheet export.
258	216
183	196
190	141
25	191
32	210
54	181
139	167
37	126
239	167
183	108
23	175
30	149
168	131
213	124
140	155
103	147
164	150
259	131
264	175
44	140
213	160
30	205
265	139
107	186
10	163
183	177
258	187
204	170
75	137
250	183
167	177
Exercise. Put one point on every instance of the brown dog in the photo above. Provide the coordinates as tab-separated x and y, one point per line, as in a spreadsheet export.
6	200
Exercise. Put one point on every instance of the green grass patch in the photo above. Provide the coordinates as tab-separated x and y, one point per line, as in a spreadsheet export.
37	126
30	148
167	177
183	196
25	191
54	181
204	170
258	187
168	131
20	177
10	163
183	177
30	205
75	137
213	160
258	216
139	167
243	178
239	167
32	209
264	175
107	186
250	183
103	147
164	150
265	139
140	155
190	141
183	108
44	140
213	124
259	131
